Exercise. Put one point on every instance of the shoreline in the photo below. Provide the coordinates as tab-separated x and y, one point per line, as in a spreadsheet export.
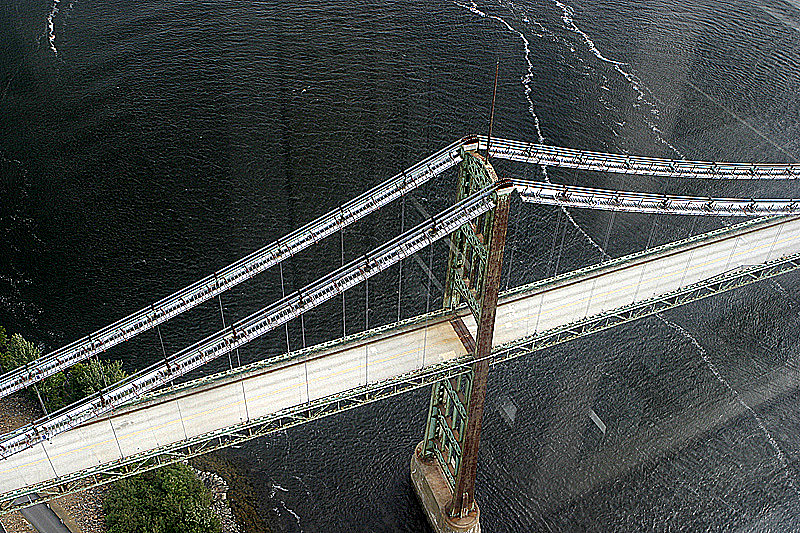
82	512
241	495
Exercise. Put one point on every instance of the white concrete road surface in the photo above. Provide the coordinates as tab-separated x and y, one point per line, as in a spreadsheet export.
541	307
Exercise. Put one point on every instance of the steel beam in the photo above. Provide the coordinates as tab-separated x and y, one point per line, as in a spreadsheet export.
464	494
555	156
473	277
243	432
234	274
636	202
251	327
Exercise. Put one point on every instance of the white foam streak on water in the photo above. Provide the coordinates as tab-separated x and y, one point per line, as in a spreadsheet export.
636	84
704	354
567	16
586	235
526	83
51	26
291	512
528	77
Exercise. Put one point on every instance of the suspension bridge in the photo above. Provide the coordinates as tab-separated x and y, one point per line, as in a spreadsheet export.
145	421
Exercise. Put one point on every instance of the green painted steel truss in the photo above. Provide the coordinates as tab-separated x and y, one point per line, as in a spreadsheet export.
467	267
302	414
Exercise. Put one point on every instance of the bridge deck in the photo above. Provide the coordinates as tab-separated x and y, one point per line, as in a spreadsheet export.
193	411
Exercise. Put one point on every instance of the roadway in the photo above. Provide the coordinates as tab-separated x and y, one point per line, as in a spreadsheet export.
189	412
44	519
369	202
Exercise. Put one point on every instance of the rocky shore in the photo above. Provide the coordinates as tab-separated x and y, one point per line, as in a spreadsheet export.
241	495
83	511
219	492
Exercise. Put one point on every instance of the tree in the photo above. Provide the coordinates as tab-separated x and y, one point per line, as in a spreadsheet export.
18	352
168	500
79	381
62	388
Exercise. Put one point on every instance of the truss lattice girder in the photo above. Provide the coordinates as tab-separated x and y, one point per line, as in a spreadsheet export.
554	156
635	202
749	242
260	260
452	430
239	433
250	328
234	274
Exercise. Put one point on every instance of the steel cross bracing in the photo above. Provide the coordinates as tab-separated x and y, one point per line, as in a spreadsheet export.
300	414
233	274
452	431
554	156
292	306
303	300
253	326
358	208
636	202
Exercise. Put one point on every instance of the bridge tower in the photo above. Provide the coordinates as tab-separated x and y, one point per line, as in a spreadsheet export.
444	464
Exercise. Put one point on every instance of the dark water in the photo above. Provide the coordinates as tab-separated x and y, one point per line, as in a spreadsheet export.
145	144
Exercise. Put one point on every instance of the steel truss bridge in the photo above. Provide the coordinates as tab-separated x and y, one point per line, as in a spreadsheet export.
131	426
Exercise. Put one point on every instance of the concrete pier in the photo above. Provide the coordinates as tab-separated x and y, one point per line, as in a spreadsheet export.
435	497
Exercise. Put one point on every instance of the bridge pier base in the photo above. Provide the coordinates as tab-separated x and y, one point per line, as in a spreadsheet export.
436	497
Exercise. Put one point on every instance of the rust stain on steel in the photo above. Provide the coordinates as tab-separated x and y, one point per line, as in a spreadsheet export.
464	496
464	334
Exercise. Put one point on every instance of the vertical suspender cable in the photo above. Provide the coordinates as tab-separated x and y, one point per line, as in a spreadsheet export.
366	327
305	366
111	411
44	408
283	295
555	240
427	303
611	221
303	328
400	277
344	309
560	249
222	315
608	231
164	350
511	253
305	357
655	221
55	474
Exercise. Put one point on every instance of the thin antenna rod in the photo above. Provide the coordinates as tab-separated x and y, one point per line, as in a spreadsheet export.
491	117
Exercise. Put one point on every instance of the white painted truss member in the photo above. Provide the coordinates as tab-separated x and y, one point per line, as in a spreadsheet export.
636	202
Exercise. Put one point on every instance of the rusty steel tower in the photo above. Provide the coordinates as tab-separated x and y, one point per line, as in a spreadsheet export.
444	464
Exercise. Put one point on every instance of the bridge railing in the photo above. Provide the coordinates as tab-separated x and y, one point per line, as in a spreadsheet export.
554	156
234	274
242	430
360	207
252	327
636	202
404	182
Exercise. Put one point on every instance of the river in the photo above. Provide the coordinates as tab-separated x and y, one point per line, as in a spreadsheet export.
145	144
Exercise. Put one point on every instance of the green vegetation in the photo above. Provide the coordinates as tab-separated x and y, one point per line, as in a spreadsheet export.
79	381
63	388
243	497
167	500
